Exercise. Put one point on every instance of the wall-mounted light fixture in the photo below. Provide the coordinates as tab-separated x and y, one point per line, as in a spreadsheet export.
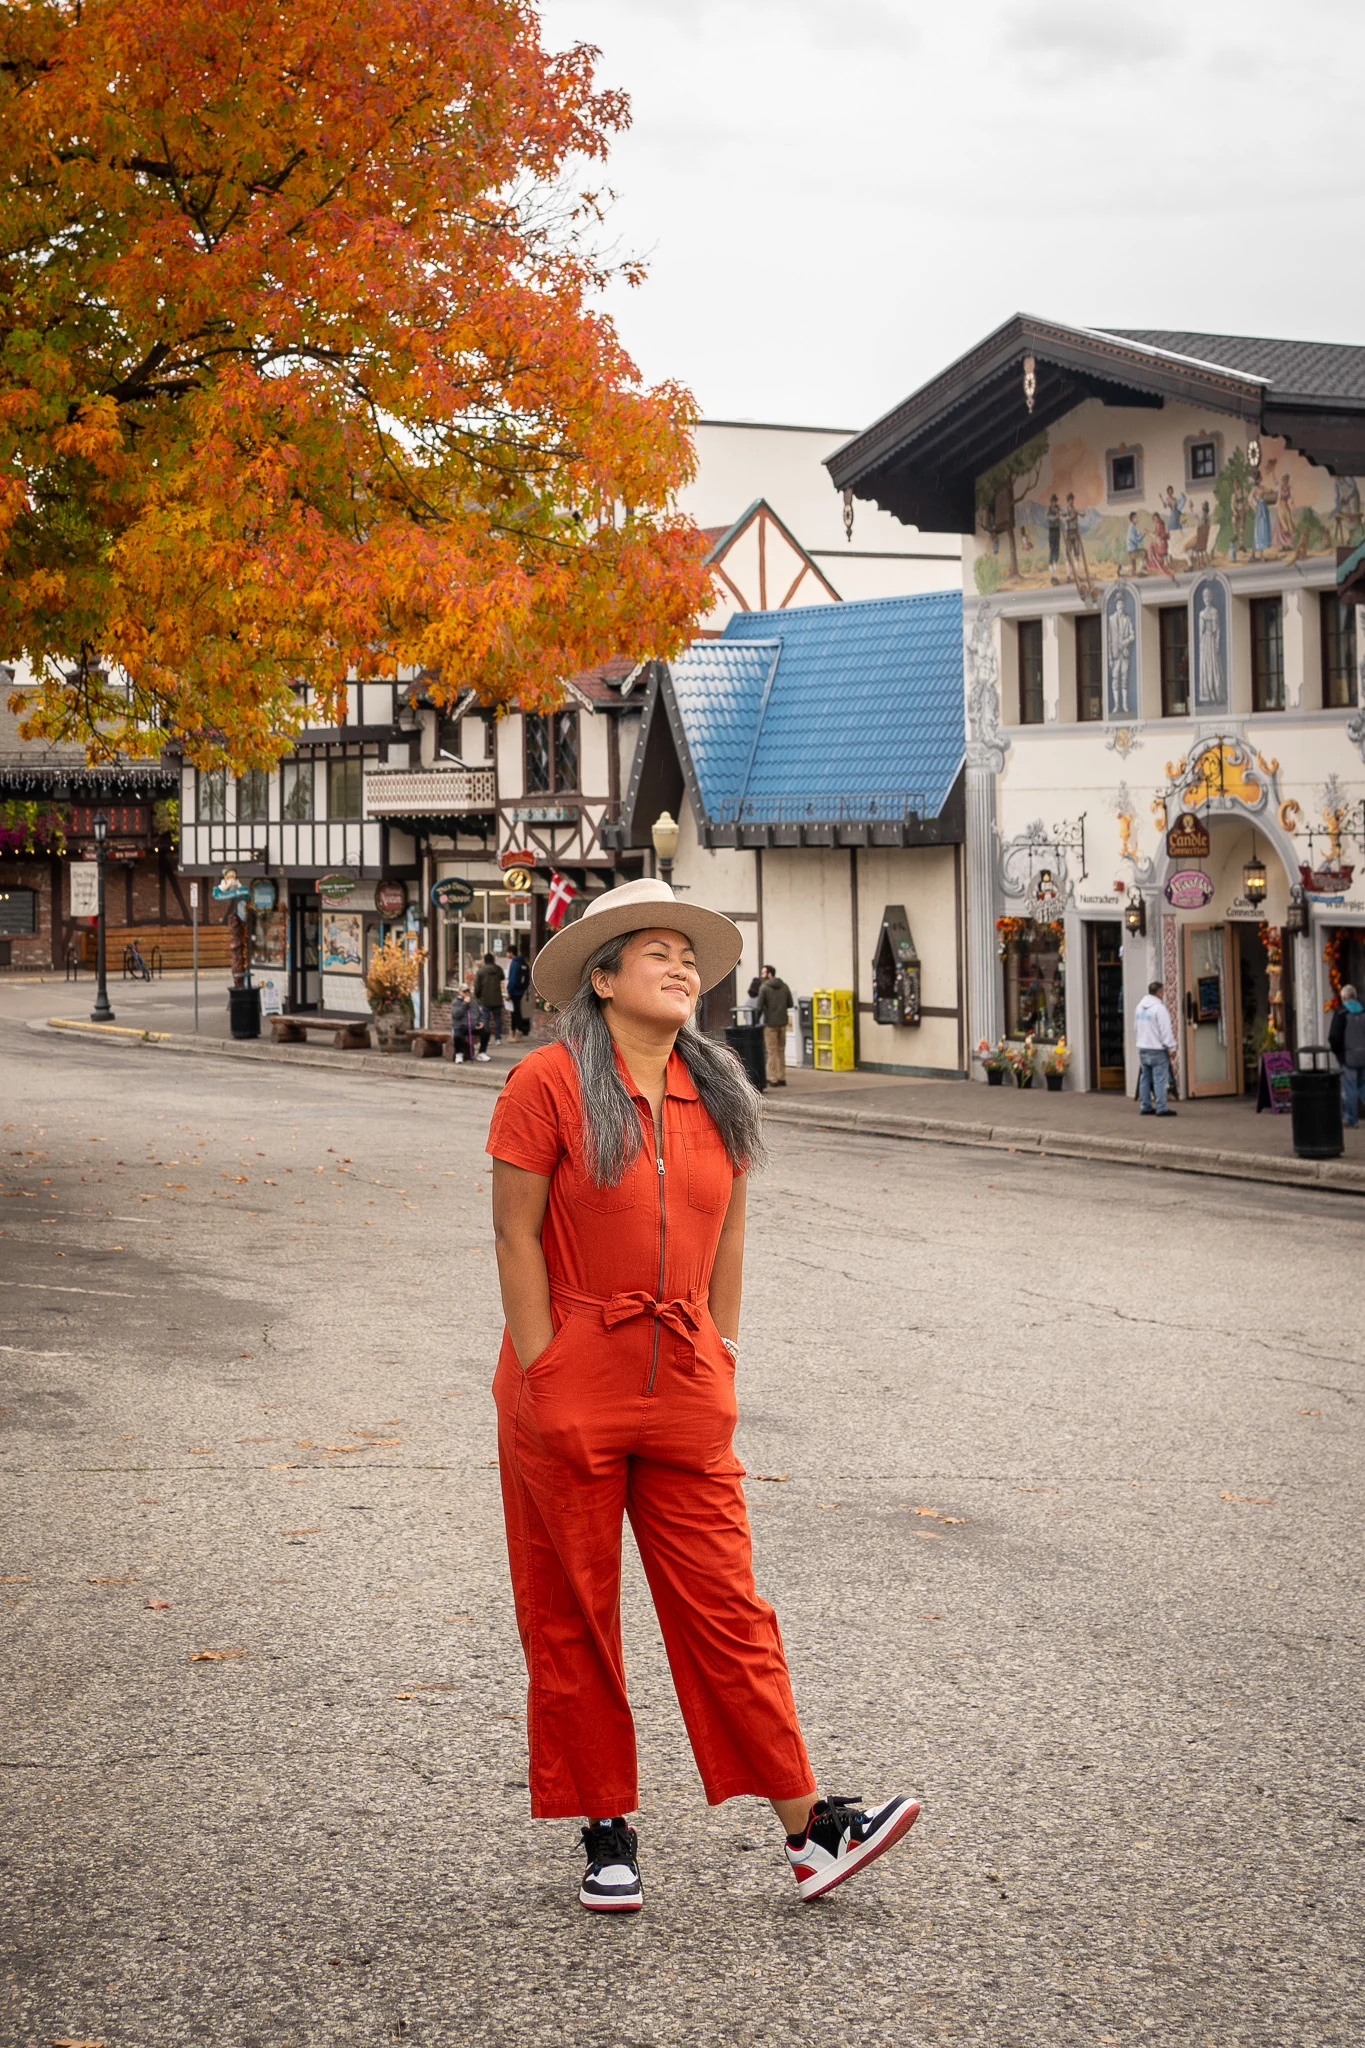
1254	881
1296	916
1135	915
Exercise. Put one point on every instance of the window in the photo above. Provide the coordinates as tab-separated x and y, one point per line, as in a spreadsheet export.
212	796
344	786
253	797
298	791
1203	459
1267	654
18	912
1089	667
1173	625
1035	981
551	752
1338	653
1030	672
566	750
1124	469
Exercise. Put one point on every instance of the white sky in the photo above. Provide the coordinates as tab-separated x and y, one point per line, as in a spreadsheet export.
836	197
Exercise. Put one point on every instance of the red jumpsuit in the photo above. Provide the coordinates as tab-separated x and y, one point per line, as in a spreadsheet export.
631	1408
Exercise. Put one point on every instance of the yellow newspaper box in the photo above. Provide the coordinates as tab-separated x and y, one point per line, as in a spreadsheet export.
832	1018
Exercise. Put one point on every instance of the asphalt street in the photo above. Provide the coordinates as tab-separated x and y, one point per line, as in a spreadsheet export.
1055	1478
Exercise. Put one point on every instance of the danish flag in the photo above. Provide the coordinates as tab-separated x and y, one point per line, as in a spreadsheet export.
562	893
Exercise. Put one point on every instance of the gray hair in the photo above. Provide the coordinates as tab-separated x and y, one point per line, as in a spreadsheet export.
611	1124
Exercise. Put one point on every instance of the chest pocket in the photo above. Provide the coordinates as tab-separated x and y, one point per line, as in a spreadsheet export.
709	1176
582	1190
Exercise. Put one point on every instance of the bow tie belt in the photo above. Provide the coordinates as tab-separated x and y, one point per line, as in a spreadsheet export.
682	1315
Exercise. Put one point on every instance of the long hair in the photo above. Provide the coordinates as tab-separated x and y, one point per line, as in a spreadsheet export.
611	1123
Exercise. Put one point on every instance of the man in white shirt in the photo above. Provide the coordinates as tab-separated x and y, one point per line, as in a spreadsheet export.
1155	1044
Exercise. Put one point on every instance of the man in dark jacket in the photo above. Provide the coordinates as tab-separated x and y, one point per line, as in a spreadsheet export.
488	996
518	989
773	1009
1346	1037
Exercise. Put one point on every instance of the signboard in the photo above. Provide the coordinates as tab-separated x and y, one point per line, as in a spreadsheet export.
391	899
265	894
514	858
518	880
1273	1090
1188	838
231	889
272	1004
335	885
1188	889
1329	884
545	814
126	821
194	895
85	888
453	893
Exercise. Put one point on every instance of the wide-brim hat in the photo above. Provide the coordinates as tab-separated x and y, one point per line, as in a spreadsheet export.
643	906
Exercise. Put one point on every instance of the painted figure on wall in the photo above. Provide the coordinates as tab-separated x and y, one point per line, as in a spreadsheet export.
1158	550
1284	516
1209	605
1054	539
1120	649
1346	512
1260	521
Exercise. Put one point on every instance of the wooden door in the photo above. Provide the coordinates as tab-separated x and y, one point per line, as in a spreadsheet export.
1105	967
1212	1012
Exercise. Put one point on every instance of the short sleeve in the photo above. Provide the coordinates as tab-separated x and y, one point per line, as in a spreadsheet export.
525	1130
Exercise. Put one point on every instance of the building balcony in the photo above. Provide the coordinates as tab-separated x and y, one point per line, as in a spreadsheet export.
445	791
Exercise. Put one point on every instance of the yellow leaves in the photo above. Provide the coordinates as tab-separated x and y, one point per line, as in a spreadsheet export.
213	1656
1248	1500
69	2041
157	1606
934	1515
772	1478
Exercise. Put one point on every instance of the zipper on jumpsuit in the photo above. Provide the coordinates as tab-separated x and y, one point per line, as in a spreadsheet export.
659	1289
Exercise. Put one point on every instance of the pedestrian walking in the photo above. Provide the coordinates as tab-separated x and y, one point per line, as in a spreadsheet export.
461	1021
1346	1038
773	1010
518	993
621	1156
488	996
1155	1044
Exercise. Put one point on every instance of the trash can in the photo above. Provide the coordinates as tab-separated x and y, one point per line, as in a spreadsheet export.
244	1013
1315	1105
747	1041
805	1018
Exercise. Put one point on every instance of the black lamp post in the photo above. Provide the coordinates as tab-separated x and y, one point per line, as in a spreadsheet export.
101	1014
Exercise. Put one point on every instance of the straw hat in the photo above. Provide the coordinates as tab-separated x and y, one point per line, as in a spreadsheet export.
634	907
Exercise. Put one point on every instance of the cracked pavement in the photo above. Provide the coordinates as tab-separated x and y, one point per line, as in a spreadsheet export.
1049	1537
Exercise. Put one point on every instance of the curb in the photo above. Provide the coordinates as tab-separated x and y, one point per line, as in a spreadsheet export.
1334	1175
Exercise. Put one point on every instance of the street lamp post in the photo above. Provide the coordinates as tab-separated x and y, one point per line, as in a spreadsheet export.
664	833
101	1014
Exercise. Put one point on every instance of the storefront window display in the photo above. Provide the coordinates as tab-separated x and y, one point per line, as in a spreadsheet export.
490	924
1343	953
1035	978
268	935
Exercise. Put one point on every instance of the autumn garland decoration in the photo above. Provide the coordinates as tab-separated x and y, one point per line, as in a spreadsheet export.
1051	933
1333	946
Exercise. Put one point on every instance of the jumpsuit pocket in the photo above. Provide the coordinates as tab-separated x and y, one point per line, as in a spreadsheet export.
543	1358
710	1177
584	1192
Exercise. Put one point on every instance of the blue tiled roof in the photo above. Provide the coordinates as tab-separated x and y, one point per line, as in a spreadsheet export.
865	702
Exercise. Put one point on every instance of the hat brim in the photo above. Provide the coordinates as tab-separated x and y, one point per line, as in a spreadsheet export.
557	970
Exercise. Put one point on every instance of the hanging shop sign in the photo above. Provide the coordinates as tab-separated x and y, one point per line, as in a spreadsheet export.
231	889
85	888
265	894
452	893
390	899
333	886
518	880
1328	884
516	858
1188	889
1188	838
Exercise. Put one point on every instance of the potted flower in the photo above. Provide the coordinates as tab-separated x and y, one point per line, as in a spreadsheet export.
994	1059
1056	1060
390	978
1021	1059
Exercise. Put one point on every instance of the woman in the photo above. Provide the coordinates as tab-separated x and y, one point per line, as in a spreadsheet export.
620	1160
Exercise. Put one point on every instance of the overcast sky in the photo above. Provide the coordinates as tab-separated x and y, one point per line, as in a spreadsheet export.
836	197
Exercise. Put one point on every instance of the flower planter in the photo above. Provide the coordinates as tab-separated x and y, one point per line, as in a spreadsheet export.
1054	1082
1023	1080
994	1078
393	1029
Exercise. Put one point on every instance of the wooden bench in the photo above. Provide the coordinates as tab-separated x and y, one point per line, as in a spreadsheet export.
346	1035
427	1044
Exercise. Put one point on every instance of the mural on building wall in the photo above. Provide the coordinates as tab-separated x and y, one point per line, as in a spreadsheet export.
1209	643
1062	513
1122	698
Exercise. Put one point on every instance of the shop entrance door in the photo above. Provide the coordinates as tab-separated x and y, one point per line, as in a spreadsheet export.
305	982
1213	1022
1105	974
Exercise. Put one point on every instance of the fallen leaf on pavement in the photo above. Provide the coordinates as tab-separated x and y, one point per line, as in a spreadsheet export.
212	1656
201	1450
1040	1489
113	1582
1248	1500
282	1468
1310	1411
157	1606
15	1579
772	1478
931	1617
66	2041
934	1515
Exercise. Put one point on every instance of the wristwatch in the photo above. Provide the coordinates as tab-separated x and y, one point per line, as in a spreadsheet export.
731	1347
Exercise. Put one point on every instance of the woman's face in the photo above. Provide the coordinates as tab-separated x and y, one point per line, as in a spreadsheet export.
657	983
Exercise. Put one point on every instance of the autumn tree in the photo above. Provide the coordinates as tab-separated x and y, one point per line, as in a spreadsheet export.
302	369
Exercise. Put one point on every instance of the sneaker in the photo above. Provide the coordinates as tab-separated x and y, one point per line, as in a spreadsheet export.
611	1882
484	1056
1168	1112
842	1836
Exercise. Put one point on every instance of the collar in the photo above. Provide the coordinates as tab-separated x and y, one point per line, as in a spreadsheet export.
677	1081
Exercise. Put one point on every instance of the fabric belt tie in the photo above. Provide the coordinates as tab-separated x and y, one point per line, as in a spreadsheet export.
681	1315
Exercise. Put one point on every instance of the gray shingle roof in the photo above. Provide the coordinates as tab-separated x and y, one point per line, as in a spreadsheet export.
1319	370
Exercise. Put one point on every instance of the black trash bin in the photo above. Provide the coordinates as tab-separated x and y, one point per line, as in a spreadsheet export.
244	1012
747	1041
1315	1105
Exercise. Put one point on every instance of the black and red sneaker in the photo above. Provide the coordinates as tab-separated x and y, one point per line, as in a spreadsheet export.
842	1836
611	1882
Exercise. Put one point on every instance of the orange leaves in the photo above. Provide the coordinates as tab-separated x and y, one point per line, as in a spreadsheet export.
327	392
213	1656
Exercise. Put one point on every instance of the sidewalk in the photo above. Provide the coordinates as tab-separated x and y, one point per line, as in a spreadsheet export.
1222	1136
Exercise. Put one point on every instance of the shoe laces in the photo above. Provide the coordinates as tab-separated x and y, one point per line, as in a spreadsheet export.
609	1842
831	1815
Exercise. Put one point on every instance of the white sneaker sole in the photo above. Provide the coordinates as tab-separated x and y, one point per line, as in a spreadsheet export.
858	1859
593	1904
